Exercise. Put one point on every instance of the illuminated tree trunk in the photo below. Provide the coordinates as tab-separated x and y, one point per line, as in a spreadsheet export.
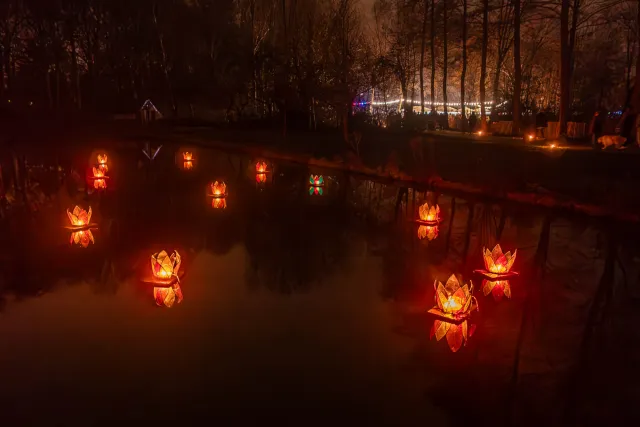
174	105
636	87
433	56
464	63
517	81
483	66
564	65
423	47
444	63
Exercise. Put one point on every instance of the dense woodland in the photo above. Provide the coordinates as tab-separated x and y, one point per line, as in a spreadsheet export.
310	60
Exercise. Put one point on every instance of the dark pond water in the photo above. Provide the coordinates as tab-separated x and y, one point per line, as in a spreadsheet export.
305	308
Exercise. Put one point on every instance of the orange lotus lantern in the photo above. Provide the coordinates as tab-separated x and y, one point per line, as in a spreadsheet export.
99	178
218	189
429	232
261	167
79	218
187	156
497	288
167	296
497	265
429	215
454	304
102	162
164	266
82	238
219	203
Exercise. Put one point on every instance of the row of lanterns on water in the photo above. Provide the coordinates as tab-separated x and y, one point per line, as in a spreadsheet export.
454	300
165	268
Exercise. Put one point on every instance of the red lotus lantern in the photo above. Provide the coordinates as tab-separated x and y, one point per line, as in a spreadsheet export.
497	265
454	304
428	215
218	189
81	226
497	288
429	232
167	296
261	167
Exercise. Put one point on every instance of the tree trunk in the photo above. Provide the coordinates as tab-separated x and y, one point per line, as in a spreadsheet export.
445	60
75	75
517	81
483	66
433	57
496	89
174	105
564	65
464	63
636	87
423	47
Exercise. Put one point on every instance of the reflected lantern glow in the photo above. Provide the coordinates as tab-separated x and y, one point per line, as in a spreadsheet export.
82	238
497	288
429	232
219	203
457	334
187	156
167	296
261	178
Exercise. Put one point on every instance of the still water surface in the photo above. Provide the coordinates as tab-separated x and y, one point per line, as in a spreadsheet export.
306	308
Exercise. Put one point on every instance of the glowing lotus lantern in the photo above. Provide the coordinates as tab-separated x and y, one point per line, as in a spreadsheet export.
316	180
261	167
429	215
102	162
219	203
165	266
454	304
218	189
99	179
497	265
79	218
187	156
82	238
497	288
429	232
167	296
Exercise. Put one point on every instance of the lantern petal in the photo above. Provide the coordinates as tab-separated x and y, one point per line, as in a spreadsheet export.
487	286
497	252
452	284
507	289
454	338
464	328
441	296
90	236
440	329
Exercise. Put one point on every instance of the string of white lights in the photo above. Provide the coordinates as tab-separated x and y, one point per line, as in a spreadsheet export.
439	104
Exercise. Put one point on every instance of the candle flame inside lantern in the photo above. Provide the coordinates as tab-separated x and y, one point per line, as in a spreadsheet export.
453	298
165	266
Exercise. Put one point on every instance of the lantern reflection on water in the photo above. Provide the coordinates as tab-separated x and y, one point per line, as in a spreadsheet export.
99	179
167	296
316	191
82	238
497	288
429	215
454	304
261	178
497	265
429	232
219	203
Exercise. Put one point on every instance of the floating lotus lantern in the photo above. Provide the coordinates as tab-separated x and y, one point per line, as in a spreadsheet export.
165	269
429	215
218	189
454	304
166	296
261	167
102	162
99	178
219	203
497	265
429	232
316	180
80	219
187	156
82	238
497	288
